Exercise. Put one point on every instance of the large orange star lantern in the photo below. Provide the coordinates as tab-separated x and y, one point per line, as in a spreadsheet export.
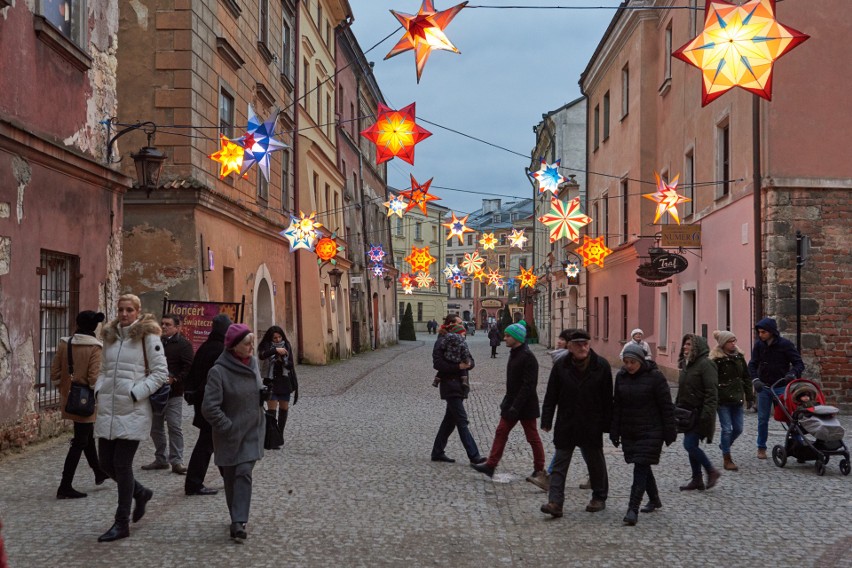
229	156
395	133
738	47
424	32
667	198
565	219
420	259
528	279
593	251
457	227
418	195
327	250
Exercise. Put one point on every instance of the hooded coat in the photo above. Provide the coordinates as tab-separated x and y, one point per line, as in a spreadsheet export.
734	381
775	360
521	399
698	386
233	407
123	386
643	414
87	366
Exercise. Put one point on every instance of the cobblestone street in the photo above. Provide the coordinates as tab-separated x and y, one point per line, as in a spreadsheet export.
354	486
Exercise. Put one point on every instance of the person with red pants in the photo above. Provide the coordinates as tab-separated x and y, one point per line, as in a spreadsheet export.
519	405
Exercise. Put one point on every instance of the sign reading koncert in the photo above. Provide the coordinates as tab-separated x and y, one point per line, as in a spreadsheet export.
196	318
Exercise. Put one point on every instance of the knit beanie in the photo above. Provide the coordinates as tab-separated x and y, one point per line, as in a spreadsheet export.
517	331
87	321
236	333
221	323
633	351
456	328
722	337
635	331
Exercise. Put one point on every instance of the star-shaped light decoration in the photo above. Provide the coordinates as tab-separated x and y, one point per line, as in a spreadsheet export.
457	280
738	47
667	198
565	219
517	238
548	177
572	270
406	280
395	133
457	227
593	251
451	269
302	232
420	259
396	206
473	262
488	241
229	156
327	249
424	32
493	276
376	253
378	269
259	142
528	279
424	280
499	284
479	275
408	289
419	195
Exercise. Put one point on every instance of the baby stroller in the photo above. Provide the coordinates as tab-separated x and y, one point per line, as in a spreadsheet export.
813	431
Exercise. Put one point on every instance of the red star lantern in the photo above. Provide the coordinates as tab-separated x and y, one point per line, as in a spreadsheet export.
738	47
424	32
395	133
420	259
593	251
419	195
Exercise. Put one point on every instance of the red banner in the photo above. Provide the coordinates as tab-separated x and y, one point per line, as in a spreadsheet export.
196	318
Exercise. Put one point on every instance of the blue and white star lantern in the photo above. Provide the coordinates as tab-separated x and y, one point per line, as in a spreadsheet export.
548	177
259	143
378	269
457	279
450	270
376	253
302	232
572	270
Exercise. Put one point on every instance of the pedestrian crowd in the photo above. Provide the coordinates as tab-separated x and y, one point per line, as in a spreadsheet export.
582	403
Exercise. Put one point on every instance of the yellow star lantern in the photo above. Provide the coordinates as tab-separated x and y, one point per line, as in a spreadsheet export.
229	156
528	279
420	259
517	238
488	241
593	251
424	32
667	198
457	227
479	275
472	262
419	195
738	47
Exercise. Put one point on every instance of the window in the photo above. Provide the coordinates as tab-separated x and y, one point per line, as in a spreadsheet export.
689	183
693	17
468	292
597	318
434	234
723	159
399	227
606	318
316	188
328	116
503	241
262	187
605	222
596	128
401	310
67	16
58	305
419	311
226	113
327	206
328	34
306	72
336	211
319	15
450	243
624	327
470	240
596	209
625	91
625	217
501	261
318	93
483	290
723	309
667	54
263	35
664	320
418	231
606	115
522	262
688	316
285	48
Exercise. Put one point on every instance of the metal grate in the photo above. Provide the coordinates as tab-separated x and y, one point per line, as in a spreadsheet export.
58	305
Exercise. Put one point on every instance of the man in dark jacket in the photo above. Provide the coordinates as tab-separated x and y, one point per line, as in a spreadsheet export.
206	357
178	351
774	363
580	385
450	382
519	404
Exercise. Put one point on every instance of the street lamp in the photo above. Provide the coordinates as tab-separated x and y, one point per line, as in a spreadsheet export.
148	160
388	281
334	277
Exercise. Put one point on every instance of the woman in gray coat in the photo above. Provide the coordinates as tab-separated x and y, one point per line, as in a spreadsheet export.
234	408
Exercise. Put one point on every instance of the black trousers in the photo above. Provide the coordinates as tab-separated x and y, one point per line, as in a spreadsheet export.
199	461
83	442
116	458
643	480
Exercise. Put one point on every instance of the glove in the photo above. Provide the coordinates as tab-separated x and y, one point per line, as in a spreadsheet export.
615	440
758	385
189	397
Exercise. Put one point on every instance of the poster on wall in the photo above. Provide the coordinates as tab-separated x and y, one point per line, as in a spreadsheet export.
196	317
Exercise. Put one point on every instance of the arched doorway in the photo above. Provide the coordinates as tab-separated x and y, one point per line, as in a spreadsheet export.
264	303
572	306
483	319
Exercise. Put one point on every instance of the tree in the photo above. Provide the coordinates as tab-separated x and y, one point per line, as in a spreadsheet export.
406	326
505	320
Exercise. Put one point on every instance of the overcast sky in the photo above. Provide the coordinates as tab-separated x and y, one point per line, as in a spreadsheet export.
515	65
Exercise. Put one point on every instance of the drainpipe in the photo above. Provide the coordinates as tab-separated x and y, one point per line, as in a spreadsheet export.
296	201
368	302
758	206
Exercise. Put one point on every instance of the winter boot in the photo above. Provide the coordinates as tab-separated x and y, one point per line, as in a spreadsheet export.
68	492
632	516
282	420
695	483
713	477
729	463
121	529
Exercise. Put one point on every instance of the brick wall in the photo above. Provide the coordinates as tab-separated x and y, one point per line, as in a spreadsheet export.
32	427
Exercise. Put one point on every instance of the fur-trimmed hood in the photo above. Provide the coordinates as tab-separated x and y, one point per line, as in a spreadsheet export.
719	353
145	325
83	339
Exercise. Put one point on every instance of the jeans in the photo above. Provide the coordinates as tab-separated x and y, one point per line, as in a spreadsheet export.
455	418
764	412
502	436
697	457
238	489
172	415
731	424
83	442
199	461
598	477
117	462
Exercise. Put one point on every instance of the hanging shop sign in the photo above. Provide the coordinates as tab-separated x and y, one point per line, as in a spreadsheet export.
647	271
669	264
683	236
492	304
654	283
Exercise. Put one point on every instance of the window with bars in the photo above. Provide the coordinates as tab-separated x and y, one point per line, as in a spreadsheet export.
58	307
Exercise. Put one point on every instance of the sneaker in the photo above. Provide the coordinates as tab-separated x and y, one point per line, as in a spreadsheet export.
155	465
483	468
761	453
179	469
541	480
552	509
595	506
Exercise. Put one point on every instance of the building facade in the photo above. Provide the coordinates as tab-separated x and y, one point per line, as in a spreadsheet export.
60	203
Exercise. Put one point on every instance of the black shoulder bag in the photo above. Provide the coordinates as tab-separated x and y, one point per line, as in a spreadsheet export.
81	398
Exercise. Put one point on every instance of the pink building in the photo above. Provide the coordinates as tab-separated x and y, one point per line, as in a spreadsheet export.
645	115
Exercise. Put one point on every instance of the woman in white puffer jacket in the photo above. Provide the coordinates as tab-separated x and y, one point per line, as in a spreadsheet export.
124	412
